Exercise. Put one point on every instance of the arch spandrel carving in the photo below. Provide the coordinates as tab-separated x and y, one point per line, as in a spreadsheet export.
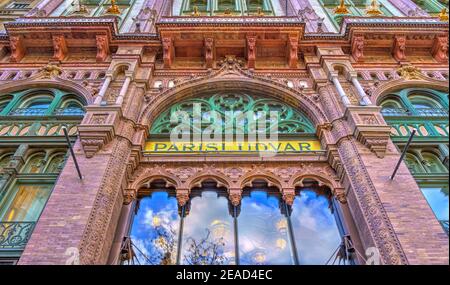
231	77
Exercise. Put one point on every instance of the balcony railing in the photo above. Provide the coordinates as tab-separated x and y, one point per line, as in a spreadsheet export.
29	112
429	112
15	235
440	112
444	224
394	112
69	112
43	111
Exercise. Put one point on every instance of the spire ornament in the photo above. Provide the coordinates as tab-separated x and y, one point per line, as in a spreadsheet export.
114	9
443	16
374	9
341	9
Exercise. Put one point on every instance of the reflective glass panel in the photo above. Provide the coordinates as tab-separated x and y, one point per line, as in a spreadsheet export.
263	231
437	198
27	203
208	231
316	233
154	232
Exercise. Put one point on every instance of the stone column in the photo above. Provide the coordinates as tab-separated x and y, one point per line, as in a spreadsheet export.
103	90
341	92
383	209
124	89
362	94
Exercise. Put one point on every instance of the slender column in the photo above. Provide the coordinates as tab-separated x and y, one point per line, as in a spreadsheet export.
340	90
124	90
365	99
102	92
236	234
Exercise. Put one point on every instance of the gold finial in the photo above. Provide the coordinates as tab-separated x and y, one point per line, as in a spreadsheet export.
341	9
113	9
260	12
196	12
443	16
374	9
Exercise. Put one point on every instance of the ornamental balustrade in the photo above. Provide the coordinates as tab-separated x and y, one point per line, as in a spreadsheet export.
13	128
15	235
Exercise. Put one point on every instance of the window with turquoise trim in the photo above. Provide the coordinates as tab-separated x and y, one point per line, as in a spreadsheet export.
433	7
426	111
437	198
227	7
337	9
41	102
209	230
290	120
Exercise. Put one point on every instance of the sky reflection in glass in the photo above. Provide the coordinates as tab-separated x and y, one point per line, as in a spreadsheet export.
208	231
438	201
155	229
315	230
263	231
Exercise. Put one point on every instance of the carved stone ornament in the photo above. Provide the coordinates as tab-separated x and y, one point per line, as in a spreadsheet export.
410	72
358	47
50	71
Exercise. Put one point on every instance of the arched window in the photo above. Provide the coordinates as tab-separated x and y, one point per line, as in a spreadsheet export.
35	164
290	120
208	228
56	163
432	163
391	106
413	163
4	160
26	203
263	232
154	231
4	102
70	106
34	105
316	231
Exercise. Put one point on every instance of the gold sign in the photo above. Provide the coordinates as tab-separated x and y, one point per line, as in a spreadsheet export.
297	146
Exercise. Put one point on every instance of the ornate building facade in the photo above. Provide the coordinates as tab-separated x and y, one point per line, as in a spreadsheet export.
350	81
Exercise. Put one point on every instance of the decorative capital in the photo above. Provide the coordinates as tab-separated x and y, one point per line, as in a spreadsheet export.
340	195
235	197
129	195
182	197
